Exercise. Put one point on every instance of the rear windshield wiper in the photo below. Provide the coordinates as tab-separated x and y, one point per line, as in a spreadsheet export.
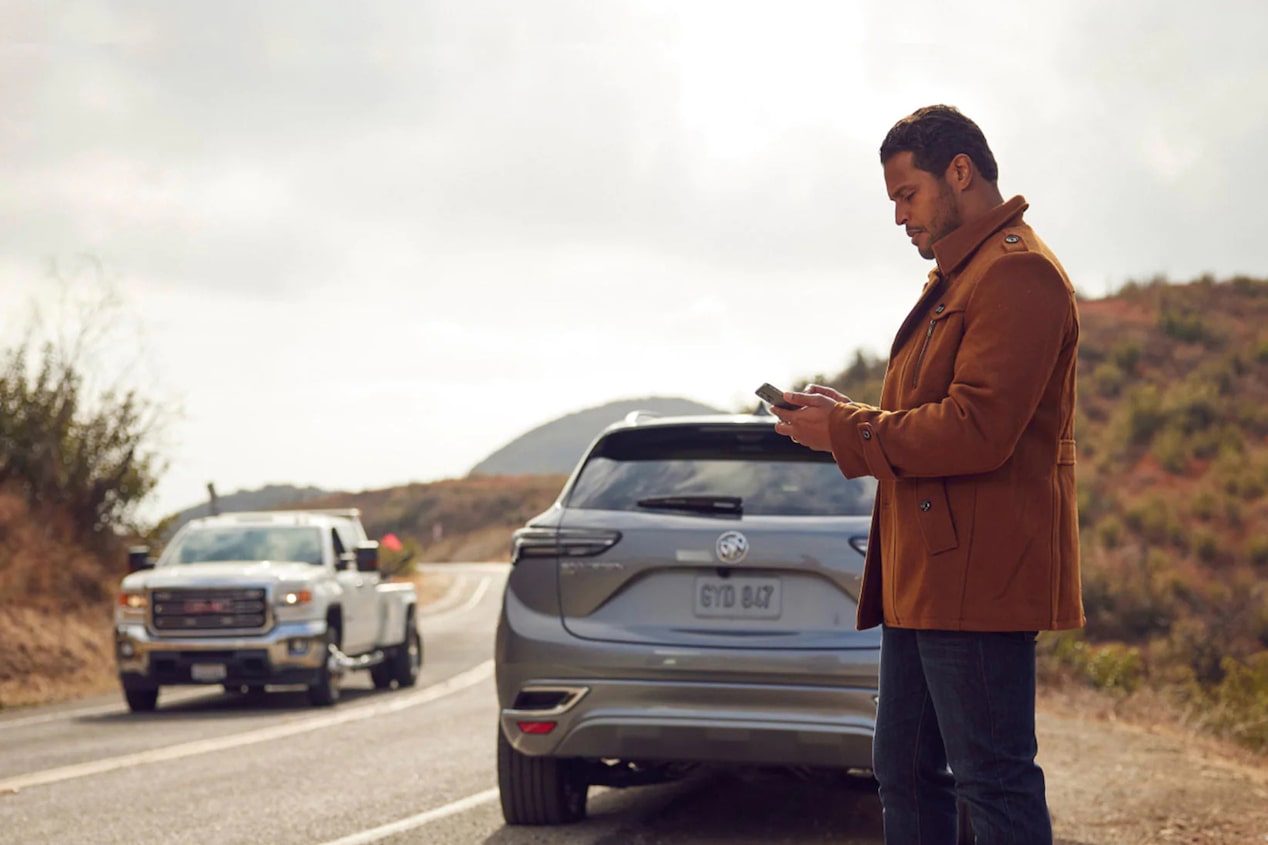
724	505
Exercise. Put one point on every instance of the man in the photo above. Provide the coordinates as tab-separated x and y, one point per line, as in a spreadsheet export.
974	539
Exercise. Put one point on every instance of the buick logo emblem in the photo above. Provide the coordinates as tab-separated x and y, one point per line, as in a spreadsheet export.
732	547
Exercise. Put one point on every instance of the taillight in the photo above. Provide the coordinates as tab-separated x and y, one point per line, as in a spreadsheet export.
538	728
561	542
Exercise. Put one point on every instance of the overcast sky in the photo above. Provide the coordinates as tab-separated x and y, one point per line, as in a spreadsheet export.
361	244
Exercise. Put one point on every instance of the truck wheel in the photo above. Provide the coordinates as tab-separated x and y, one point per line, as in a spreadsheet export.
325	692
539	790
408	659
382	674
141	699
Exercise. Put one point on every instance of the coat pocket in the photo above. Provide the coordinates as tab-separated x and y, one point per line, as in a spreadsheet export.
933	513
941	333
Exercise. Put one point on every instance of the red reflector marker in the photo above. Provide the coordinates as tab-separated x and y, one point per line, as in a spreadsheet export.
536	727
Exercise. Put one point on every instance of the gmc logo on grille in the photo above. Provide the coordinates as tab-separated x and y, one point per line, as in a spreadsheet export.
208	606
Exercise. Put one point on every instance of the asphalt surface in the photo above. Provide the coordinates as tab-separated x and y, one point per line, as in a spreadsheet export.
399	766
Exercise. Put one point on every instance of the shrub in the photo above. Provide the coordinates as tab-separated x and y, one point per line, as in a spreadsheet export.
1204	505
1190	328
1240	701
1126	355
1108	379
1171	448
1144	414
1110	532
1206	546
1115	667
1257	552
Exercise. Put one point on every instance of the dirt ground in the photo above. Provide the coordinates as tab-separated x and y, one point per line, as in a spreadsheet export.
1118	773
1139	779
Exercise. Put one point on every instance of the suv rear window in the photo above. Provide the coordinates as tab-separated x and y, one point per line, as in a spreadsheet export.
767	471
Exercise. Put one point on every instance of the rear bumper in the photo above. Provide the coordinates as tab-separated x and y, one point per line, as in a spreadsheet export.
291	653
661	703
707	722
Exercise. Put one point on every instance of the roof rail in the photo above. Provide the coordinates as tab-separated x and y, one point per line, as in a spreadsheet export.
636	417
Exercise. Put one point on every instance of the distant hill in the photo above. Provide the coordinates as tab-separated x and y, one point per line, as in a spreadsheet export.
555	447
268	497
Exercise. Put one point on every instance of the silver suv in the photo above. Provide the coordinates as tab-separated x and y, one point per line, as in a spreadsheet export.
690	598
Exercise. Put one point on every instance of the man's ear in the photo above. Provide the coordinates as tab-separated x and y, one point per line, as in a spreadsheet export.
960	172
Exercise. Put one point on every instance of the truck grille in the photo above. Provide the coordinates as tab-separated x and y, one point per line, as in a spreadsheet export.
209	609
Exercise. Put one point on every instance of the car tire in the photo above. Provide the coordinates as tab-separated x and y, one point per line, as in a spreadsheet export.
141	699
325	693
408	659
539	790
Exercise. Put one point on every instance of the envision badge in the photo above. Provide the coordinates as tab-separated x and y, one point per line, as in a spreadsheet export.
732	547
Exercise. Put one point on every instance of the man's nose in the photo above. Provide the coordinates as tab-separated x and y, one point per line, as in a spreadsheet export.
900	215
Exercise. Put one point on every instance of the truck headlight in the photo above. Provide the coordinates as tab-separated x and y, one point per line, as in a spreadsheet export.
133	602
294	598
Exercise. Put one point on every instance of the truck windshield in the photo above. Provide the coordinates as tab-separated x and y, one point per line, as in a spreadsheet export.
232	543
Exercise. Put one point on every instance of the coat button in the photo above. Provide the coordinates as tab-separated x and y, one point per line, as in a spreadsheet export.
867	434
1011	239
926	505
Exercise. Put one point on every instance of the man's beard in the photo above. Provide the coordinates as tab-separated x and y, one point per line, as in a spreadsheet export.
945	221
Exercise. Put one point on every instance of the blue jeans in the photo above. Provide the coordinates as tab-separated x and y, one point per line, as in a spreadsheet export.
957	717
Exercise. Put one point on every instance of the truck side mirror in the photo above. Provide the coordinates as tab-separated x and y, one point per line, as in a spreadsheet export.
139	558
368	556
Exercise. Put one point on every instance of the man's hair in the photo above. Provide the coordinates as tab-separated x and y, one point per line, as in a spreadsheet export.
936	134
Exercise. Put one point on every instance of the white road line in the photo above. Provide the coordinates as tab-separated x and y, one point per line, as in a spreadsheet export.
398	701
384	831
471	602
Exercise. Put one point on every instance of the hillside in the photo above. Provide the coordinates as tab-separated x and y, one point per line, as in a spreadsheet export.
458	519
265	498
555	447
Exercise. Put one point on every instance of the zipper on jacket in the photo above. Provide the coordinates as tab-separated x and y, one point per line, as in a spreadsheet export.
923	349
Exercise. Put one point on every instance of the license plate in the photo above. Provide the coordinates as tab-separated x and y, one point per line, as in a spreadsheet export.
736	597
207	671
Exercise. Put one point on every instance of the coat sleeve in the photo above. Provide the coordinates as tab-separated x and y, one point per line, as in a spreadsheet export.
1015	324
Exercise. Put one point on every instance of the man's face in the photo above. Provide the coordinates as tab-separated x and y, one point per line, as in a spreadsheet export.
924	204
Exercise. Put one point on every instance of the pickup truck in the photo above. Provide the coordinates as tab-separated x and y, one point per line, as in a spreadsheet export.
246	600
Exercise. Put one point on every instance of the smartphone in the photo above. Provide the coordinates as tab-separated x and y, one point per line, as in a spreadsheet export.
772	395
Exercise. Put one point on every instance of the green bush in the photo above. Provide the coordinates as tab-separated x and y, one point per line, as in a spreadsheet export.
1110	532
1190	328
1145	415
1203	505
1108	379
1126	355
1240	701
1171	448
1115	667
1206	545
1257	552
64	445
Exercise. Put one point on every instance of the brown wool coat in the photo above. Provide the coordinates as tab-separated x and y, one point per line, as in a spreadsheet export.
975	526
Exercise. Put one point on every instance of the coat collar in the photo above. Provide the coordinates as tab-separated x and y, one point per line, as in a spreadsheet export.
954	249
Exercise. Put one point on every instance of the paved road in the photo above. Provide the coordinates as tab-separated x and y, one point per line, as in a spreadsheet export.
403	766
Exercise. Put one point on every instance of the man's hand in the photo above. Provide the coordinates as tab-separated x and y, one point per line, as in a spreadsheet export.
808	424
832	393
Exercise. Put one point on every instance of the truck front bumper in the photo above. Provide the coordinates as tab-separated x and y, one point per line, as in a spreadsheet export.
291	653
